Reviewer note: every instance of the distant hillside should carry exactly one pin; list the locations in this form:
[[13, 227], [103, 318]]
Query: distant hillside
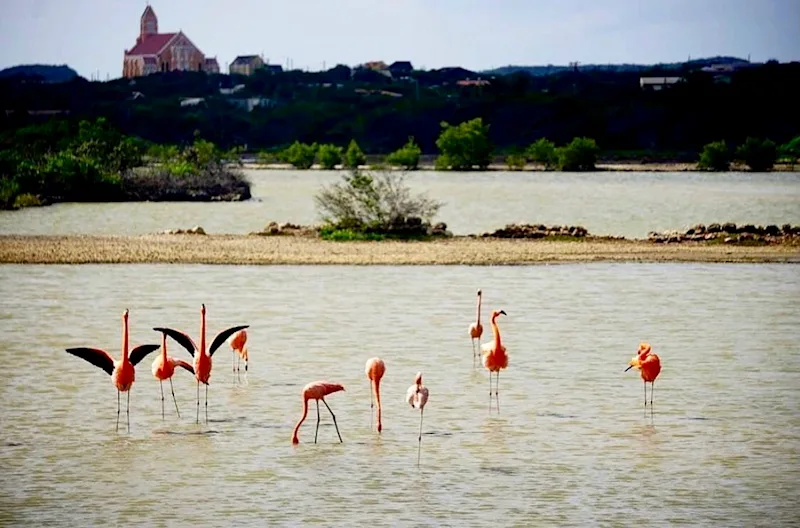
[[539, 71], [41, 72]]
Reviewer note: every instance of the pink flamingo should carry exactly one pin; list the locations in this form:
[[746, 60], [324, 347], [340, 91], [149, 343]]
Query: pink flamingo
[[374, 369], [122, 372], [237, 342], [164, 368], [495, 358], [476, 331], [317, 390], [417, 397], [202, 360]]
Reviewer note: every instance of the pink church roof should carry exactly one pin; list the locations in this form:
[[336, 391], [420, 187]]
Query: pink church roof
[[152, 44]]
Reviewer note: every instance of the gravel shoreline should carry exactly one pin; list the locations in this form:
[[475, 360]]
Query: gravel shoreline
[[282, 250]]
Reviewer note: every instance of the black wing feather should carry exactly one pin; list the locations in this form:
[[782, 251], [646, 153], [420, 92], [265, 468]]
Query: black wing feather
[[223, 336], [182, 338], [140, 352], [96, 356]]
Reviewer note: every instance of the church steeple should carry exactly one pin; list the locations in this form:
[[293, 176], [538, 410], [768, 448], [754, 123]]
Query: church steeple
[[148, 24]]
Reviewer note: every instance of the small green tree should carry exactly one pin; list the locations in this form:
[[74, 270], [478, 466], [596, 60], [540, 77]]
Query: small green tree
[[329, 156], [300, 155], [406, 156], [790, 151], [542, 151], [579, 155], [758, 154], [715, 157], [464, 146], [353, 156], [515, 161]]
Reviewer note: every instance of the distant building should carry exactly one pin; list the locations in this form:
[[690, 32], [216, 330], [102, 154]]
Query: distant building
[[211, 65], [378, 66], [657, 83], [161, 52], [473, 82], [400, 69], [273, 68], [246, 64]]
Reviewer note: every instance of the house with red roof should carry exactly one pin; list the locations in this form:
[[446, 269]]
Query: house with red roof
[[162, 52]]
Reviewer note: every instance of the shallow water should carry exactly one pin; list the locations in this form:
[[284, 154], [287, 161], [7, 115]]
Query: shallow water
[[571, 444], [606, 203]]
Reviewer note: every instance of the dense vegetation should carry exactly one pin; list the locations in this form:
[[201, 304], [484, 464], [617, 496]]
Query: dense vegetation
[[381, 114], [93, 161]]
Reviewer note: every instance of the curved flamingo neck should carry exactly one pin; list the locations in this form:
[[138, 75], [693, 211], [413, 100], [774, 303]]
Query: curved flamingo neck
[[376, 388], [125, 339], [479, 310], [296, 440], [496, 333]]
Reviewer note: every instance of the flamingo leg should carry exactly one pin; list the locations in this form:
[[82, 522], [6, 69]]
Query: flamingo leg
[[161, 384], [371, 406], [239, 367], [645, 393], [197, 419], [173, 398], [419, 440], [473, 352], [652, 389], [497, 391], [245, 372], [128, 410], [206, 402], [316, 431], [490, 391], [334, 420], [117, 410], [233, 366]]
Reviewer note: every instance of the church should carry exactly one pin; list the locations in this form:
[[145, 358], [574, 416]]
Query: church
[[163, 52]]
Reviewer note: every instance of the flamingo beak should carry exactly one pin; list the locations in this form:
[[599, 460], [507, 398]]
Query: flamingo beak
[[629, 367], [503, 312]]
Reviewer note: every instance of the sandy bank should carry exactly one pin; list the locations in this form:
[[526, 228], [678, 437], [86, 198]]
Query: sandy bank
[[243, 249]]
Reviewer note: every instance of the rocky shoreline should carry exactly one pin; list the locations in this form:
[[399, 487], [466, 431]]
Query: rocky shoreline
[[730, 233]]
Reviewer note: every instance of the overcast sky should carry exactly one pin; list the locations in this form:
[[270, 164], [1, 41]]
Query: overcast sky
[[91, 35]]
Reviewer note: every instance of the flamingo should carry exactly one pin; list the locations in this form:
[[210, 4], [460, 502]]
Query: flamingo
[[417, 397], [202, 360], [122, 372], [494, 358], [317, 390], [164, 368], [476, 331], [237, 342], [374, 370], [649, 365]]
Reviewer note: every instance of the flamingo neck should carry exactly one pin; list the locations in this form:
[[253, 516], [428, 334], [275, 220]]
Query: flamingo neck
[[296, 440], [479, 310], [496, 334], [164, 347], [124, 339], [376, 388], [203, 332]]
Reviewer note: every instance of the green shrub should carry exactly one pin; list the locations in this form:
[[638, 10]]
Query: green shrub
[[9, 190], [715, 157], [26, 200], [353, 156], [464, 146], [406, 156], [329, 156], [542, 151], [515, 161], [300, 155], [579, 155], [758, 154]]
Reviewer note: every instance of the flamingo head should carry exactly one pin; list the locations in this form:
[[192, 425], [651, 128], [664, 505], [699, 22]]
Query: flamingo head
[[203, 309], [418, 379], [480, 293], [125, 315], [496, 313], [644, 348]]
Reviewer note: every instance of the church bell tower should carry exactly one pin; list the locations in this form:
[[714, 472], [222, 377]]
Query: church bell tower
[[148, 24]]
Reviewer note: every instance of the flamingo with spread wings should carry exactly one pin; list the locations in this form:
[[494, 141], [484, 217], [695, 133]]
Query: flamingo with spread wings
[[122, 372], [202, 359]]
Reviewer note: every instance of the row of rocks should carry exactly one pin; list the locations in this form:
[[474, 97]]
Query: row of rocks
[[196, 230], [411, 226], [537, 231], [287, 229], [728, 233]]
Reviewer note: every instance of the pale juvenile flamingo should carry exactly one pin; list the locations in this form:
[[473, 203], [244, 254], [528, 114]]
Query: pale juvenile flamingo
[[649, 365], [374, 369], [417, 397], [238, 342], [164, 368], [317, 390], [122, 372], [202, 360], [476, 331], [495, 358]]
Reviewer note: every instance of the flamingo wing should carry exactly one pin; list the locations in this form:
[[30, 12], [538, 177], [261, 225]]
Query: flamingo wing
[[96, 356], [182, 338], [182, 363], [140, 352], [223, 336]]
